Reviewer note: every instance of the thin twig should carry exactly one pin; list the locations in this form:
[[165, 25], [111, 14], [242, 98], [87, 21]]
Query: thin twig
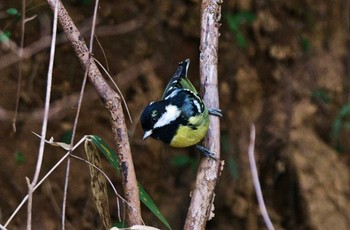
[[116, 86], [109, 181], [65, 191], [200, 210], [46, 113], [40, 182], [53, 169], [45, 41], [256, 180], [78, 113], [19, 83], [113, 104]]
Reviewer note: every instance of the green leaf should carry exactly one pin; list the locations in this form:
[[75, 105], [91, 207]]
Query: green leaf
[[66, 137], [242, 42], [321, 95], [336, 127], [235, 21], [305, 44], [5, 36], [19, 157], [233, 167], [147, 200], [113, 159], [345, 110], [240, 18], [181, 161], [12, 11], [107, 151]]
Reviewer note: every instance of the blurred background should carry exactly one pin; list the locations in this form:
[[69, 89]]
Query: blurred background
[[283, 65]]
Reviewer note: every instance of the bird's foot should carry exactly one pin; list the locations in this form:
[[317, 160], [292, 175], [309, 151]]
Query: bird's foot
[[206, 152], [215, 112]]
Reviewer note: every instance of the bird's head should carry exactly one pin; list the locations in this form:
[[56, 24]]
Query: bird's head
[[158, 115]]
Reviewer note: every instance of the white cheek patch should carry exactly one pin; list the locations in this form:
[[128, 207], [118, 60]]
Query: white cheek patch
[[172, 112]]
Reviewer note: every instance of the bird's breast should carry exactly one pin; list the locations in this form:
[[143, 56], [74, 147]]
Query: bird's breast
[[190, 134]]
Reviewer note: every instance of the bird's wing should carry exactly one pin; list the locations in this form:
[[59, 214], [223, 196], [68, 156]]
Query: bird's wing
[[179, 80]]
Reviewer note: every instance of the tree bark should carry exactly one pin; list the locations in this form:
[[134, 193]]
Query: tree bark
[[201, 207], [113, 104]]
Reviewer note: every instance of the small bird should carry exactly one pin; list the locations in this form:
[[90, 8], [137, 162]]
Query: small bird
[[180, 118]]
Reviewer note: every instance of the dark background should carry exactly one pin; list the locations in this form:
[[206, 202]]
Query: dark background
[[283, 65]]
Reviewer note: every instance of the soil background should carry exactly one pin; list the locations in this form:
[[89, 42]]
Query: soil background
[[283, 65]]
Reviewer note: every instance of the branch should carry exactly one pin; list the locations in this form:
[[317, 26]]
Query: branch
[[113, 104], [256, 181], [200, 209]]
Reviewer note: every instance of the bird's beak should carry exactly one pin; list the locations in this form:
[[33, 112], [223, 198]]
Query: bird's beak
[[147, 134]]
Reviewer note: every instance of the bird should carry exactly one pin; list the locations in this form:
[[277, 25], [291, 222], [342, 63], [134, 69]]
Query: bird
[[180, 119]]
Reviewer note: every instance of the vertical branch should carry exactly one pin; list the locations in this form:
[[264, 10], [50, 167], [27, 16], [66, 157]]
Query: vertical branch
[[200, 209], [23, 28], [113, 104], [45, 119]]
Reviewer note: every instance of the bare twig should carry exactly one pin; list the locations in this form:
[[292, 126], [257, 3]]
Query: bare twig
[[200, 209], [45, 41], [23, 18], [64, 157], [113, 104], [40, 182], [256, 180], [77, 115], [45, 118]]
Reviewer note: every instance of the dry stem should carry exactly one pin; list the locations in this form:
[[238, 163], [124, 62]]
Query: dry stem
[[200, 209], [113, 104]]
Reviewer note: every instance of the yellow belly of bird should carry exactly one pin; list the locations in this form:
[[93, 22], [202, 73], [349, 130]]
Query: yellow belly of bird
[[186, 136]]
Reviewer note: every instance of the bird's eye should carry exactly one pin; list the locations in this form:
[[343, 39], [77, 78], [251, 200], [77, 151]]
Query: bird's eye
[[154, 115]]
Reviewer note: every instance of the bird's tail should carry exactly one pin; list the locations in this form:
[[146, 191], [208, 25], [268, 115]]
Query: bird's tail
[[179, 79]]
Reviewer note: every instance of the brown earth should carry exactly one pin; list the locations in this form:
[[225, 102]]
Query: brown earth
[[291, 79]]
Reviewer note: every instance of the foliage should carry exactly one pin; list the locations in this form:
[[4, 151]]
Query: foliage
[[5, 36], [144, 197], [236, 21], [340, 123], [19, 157], [321, 95]]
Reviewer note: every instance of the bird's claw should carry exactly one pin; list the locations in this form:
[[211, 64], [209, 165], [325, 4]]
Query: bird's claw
[[206, 152], [215, 112]]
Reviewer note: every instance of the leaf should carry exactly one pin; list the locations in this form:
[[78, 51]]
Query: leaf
[[55, 143], [107, 151], [98, 183], [235, 21], [5, 36], [242, 42], [233, 167], [19, 157], [66, 136], [321, 95], [181, 161], [113, 159], [345, 110], [12, 11], [147, 200]]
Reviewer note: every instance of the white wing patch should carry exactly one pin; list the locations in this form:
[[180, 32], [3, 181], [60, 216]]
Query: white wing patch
[[172, 112], [196, 103]]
